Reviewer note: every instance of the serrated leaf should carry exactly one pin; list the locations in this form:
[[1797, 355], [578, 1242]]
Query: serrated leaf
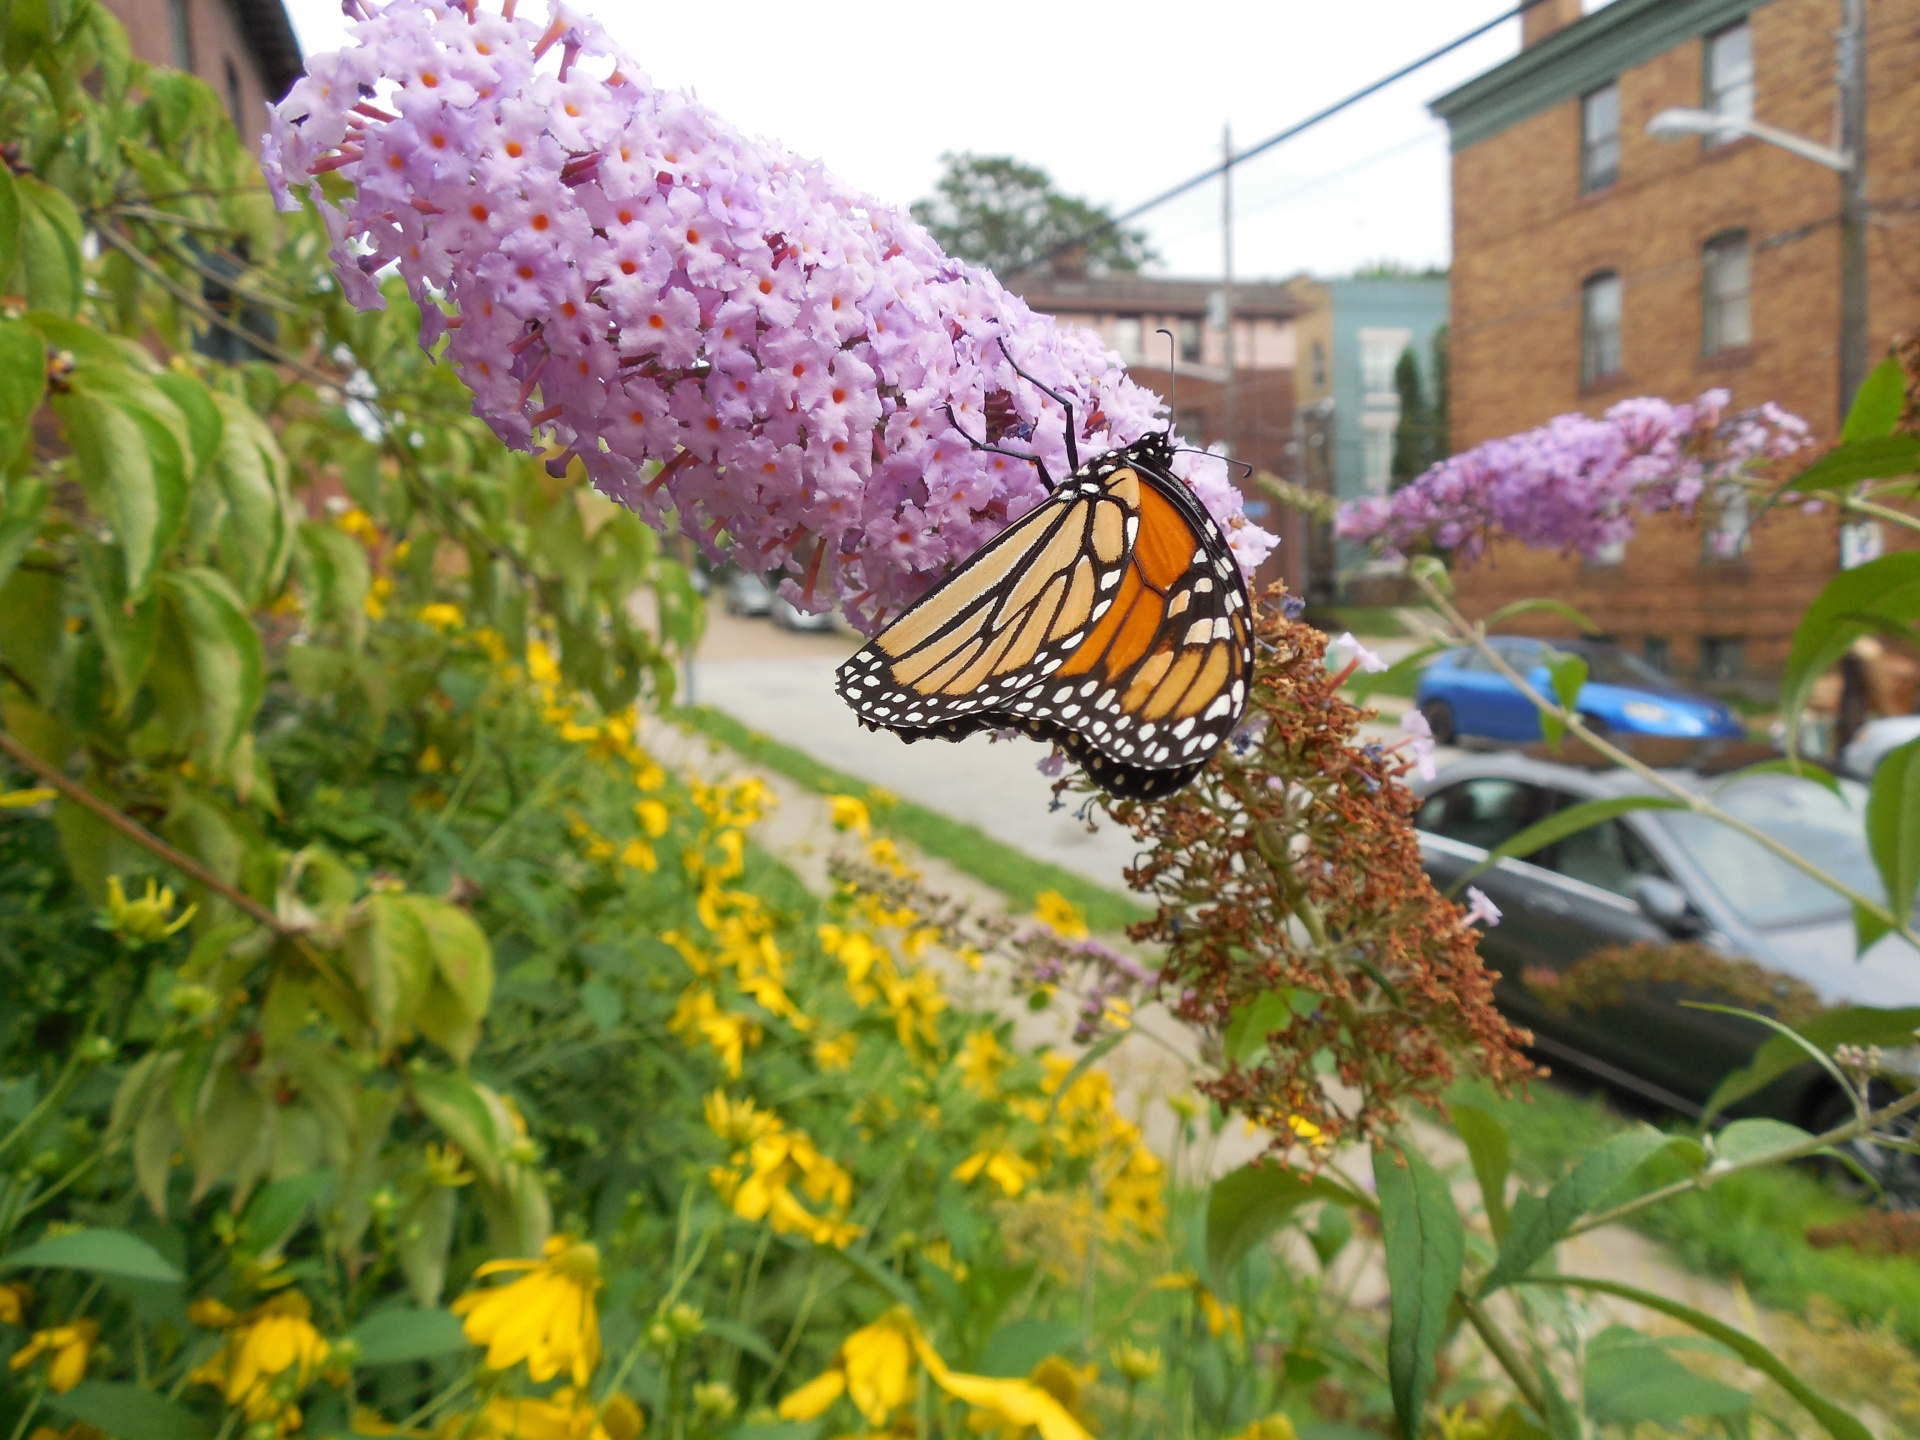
[[229, 666], [1562, 823], [1832, 1418], [96, 1252], [1893, 825], [1854, 1025], [49, 239], [23, 383], [133, 466], [1492, 1155], [461, 988], [391, 959], [127, 1412], [256, 530], [1249, 1204], [1539, 1222], [1425, 1247], [395, 1337], [1877, 404]]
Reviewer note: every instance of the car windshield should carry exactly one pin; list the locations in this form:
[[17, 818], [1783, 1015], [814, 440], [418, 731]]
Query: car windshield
[[1763, 888], [1608, 666]]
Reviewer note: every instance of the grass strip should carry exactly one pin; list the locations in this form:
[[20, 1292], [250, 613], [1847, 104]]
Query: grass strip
[[1018, 876], [1752, 1225]]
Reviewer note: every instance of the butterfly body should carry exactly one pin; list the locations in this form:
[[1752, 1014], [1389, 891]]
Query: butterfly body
[[1112, 619]]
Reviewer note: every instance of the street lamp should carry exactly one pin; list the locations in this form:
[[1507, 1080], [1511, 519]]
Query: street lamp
[[1848, 161]]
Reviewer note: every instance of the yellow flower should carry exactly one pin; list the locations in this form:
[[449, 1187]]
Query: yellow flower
[[446, 1167], [981, 1061], [1004, 1167], [1012, 1404], [835, 1054], [430, 761], [740, 1122], [545, 1318], [653, 816], [274, 1339], [149, 918], [851, 814], [1218, 1318], [1060, 915], [442, 616], [357, 523], [1064, 1380], [699, 1016], [871, 1369], [68, 1345], [639, 856], [210, 1314], [1306, 1130], [1134, 1363], [21, 799], [567, 1414], [14, 1296], [378, 593], [1279, 1427]]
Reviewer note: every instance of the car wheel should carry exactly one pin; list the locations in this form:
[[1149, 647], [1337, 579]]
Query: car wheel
[[1439, 717], [1897, 1172], [1596, 725]]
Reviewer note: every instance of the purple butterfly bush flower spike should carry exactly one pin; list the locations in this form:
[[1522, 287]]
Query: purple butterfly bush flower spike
[[712, 327], [1576, 483]]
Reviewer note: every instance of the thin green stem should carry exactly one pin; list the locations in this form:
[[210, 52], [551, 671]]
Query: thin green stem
[[33, 1405], [1505, 1355], [800, 1317], [1882, 512], [1699, 804]]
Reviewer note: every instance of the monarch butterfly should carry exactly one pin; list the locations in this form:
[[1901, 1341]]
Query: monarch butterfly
[[1112, 619]]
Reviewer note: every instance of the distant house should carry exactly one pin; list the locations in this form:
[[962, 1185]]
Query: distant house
[[245, 49], [1592, 262], [1351, 335], [1128, 309]]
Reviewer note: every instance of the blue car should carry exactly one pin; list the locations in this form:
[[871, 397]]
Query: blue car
[[1463, 696]]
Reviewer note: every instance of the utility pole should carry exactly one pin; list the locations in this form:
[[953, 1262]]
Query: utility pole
[[1226, 283], [1851, 87]]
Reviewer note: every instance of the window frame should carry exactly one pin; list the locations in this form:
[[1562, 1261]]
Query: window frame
[[1714, 297], [1591, 182], [1712, 90], [1590, 372], [1188, 329]]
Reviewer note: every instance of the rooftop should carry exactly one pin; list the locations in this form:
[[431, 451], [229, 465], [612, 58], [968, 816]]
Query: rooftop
[[1127, 293]]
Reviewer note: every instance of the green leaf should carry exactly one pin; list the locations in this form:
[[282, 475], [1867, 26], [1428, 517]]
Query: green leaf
[[1246, 1033], [1562, 823], [256, 532], [203, 420], [426, 1235], [20, 520], [50, 233], [1880, 596], [1755, 1139], [273, 1215], [457, 1108], [394, 1337], [742, 1337], [127, 632], [1433, 570], [334, 570], [97, 1252], [1854, 1025], [1013, 1350], [1832, 1418], [1552, 607], [23, 382], [127, 1412], [873, 1272], [9, 227], [1886, 458], [461, 988], [1539, 1223], [1799, 769], [133, 466], [1249, 1204], [1568, 674], [1893, 825], [1489, 1150], [1633, 1379], [1425, 1247], [228, 663], [1877, 404]]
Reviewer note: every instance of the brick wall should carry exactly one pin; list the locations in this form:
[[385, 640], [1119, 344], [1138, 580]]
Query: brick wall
[[216, 43], [1525, 239]]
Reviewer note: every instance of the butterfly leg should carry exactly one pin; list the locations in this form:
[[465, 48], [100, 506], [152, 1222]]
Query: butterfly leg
[[1033, 460], [1073, 445]]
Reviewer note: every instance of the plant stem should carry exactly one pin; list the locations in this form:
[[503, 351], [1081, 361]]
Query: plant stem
[[1508, 1358], [1697, 803]]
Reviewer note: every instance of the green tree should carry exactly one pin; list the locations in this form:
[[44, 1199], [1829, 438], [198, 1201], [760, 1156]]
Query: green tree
[[1413, 436], [1442, 394], [998, 212]]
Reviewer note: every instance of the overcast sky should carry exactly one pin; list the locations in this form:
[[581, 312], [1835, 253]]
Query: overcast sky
[[1117, 102]]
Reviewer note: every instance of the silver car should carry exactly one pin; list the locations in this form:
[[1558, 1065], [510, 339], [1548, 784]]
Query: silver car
[[1660, 876]]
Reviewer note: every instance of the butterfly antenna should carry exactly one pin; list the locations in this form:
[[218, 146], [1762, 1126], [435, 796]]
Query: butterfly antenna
[[1033, 460], [1173, 376], [1073, 448], [1196, 450]]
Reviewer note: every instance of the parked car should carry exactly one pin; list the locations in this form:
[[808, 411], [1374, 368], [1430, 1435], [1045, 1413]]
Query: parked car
[[1464, 697], [1876, 740], [1662, 876], [747, 594], [789, 616]]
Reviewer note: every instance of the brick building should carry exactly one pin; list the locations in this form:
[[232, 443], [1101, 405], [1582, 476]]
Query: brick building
[[1592, 262], [244, 49], [1126, 310]]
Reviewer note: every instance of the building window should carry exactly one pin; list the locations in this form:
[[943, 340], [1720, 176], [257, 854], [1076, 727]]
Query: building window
[[1730, 522], [1192, 426], [1380, 351], [1376, 452], [1599, 138], [1861, 541], [1319, 364], [1723, 659], [235, 106], [1127, 338], [1190, 338], [182, 34], [1599, 328], [1657, 651], [1614, 552], [1724, 272], [1728, 87]]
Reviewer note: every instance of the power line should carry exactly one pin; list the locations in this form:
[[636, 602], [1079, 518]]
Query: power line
[[1298, 127]]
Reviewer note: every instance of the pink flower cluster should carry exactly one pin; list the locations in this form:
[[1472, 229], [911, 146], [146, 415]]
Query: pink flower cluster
[[715, 328], [1576, 483]]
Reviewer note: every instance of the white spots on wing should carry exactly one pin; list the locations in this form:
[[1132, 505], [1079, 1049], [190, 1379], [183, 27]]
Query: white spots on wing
[[1198, 633], [1183, 729], [1107, 582], [1203, 586], [1222, 705]]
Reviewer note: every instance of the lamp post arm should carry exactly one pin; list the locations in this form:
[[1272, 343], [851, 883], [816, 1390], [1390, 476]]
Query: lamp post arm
[[1838, 161]]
